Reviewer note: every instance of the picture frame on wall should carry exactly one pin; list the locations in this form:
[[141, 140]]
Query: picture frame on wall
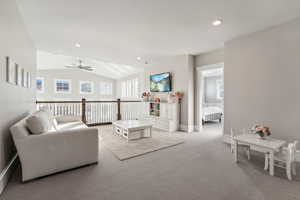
[[10, 71], [28, 79], [18, 78], [23, 77]]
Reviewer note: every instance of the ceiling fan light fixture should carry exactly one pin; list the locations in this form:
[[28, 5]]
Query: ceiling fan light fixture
[[217, 22]]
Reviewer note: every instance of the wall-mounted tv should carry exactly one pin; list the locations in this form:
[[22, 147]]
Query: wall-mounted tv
[[161, 82]]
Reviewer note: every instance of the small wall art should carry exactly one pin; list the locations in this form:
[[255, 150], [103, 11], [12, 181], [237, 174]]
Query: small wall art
[[10, 71], [18, 77], [28, 79], [23, 77]]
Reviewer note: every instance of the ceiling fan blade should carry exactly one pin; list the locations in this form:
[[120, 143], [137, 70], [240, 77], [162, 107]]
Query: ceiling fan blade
[[73, 67], [86, 66], [88, 69]]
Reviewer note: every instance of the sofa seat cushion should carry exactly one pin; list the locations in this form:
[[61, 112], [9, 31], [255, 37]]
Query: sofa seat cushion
[[71, 125]]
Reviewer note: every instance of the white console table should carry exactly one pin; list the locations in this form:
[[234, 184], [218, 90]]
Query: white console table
[[166, 118]]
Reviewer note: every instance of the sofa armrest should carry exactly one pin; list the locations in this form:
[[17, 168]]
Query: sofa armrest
[[57, 151], [68, 118]]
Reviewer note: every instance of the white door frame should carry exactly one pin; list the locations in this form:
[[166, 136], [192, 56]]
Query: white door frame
[[200, 86]]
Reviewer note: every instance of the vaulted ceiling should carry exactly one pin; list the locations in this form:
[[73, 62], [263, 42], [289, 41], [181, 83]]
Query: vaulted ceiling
[[46, 60], [119, 31]]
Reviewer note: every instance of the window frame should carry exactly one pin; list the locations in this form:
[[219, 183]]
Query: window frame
[[105, 91], [43, 84], [130, 88], [84, 82], [219, 83], [63, 92]]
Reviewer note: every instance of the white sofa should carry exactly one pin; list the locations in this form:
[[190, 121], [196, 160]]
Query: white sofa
[[71, 144]]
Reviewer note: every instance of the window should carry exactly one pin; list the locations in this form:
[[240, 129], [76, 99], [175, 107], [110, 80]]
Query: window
[[40, 84], [86, 87], [220, 89], [130, 88], [106, 88], [62, 86]]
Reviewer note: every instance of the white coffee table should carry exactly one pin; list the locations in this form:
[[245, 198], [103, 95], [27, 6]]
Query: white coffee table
[[133, 129]]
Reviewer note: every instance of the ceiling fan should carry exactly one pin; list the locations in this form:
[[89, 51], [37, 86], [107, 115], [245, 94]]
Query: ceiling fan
[[80, 66]]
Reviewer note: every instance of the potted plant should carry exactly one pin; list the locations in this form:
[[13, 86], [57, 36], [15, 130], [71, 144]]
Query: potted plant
[[145, 96], [174, 97], [179, 95]]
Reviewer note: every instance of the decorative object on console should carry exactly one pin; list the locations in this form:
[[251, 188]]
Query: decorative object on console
[[157, 99], [146, 96], [262, 131], [175, 97], [172, 98], [179, 95]]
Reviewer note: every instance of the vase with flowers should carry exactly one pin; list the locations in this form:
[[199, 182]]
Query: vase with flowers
[[174, 97], [179, 95], [261, 131], [146, 96]]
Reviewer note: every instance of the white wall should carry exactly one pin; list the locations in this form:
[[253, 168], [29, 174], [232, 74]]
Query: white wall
[[262, 81], [15, 102], [75, 76], [178, 66], [212, 57]]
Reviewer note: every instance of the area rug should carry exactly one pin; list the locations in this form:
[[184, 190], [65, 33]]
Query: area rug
[[124, 150]]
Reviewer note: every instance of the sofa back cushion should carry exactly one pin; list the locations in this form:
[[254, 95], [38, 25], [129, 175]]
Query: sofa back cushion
[[50, 116], [39, 122]]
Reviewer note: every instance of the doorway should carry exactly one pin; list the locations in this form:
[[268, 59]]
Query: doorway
[[211, 96]]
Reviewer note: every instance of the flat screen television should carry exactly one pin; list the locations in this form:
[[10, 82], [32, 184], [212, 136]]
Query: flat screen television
[[161, 82]]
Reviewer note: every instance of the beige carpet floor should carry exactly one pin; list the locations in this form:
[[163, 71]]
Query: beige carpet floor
[[124, 149], [202, 168]]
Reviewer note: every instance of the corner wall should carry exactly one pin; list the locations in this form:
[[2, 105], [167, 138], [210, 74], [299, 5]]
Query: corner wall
[[15, 101], [262, 81]]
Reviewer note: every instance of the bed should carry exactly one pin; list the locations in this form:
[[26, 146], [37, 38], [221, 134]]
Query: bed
[[212, 113]]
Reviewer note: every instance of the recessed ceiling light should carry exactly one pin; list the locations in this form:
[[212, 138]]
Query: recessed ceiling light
[[138, 58], [217, 22], [77, 45]]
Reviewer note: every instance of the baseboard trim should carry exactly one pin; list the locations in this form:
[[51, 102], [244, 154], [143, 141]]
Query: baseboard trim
[[187, 128], [226, 139], [6, 173], [183, 127]]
